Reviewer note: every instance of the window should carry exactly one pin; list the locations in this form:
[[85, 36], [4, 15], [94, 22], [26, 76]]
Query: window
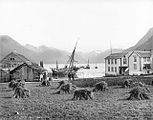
[[115, 69], [12, 59], [135, 66], [148, 59], [124, 60], [135, 58], [115, 61], [108, 69], [146, 66], [112, 69], [108, 61], [111, 61], [144, 59]]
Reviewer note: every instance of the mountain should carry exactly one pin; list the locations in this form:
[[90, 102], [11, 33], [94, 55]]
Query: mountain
[[7, 45], [145, 43], [97, 56], [49, 55], [30, 47]]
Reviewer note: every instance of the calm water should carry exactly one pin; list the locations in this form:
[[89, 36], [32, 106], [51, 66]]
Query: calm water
[[84, 73]]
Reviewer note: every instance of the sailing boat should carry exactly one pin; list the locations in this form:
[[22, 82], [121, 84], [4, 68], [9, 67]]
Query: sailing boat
[[69, 66], [96, 67], [87, 67]]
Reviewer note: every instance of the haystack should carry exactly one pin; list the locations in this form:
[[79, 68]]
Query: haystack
[[138, 93], [21, 92], [136, 84], [60, 84], [82, 93], [19, 89], [127, 83], [102, 86], [66, 88], [13, 84]]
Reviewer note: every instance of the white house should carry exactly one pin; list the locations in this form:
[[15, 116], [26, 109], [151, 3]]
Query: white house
[[139, 62], [116, 64]]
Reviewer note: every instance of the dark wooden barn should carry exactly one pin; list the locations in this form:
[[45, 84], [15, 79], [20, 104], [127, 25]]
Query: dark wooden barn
[[4, 76], [27, 72]]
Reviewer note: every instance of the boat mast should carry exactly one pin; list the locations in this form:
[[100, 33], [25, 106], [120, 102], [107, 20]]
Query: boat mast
[[88, 62], [56, 64], [71, 59]]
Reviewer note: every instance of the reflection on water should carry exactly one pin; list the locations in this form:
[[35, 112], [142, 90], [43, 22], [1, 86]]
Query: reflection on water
[[84, 73]]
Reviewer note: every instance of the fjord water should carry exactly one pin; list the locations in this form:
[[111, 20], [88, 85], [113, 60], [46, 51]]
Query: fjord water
[[84, 73]]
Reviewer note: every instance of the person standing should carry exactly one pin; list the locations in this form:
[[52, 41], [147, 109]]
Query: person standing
[[41, 77]]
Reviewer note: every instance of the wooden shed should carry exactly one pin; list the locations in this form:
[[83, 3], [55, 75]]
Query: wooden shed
[[4, 76], [27, 72]]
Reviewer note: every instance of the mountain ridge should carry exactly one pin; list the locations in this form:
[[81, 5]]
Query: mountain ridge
[[142, 41], [48, 54]]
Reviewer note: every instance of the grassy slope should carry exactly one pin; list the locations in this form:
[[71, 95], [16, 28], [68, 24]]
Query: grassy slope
[[43, 104]]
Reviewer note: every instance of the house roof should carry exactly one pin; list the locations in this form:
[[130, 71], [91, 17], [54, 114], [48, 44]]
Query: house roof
[[116, 55], [142, 53], [23, 58]]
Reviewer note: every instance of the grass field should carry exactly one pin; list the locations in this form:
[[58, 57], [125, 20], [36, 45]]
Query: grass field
[[44, 105]]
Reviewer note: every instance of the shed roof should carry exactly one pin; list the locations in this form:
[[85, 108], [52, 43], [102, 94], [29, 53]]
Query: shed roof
[[32, 66]]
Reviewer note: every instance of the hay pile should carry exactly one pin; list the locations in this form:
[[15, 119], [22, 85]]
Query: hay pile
[[60, 83], [13, 84], [137, 84], [138, 93], [102, 86], [127, 83], [66, 88], [82, 94], [19, 89]]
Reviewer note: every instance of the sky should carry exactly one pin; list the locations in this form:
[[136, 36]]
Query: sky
[[95, 24]]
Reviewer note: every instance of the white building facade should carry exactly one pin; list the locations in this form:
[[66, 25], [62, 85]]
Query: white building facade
[[116, 64], [139, 63], [131, 63]]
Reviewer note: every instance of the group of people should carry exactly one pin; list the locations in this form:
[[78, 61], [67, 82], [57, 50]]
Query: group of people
[[44, 76], [71, 75]]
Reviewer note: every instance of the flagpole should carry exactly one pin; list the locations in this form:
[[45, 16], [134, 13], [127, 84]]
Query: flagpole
[[110, 47]]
